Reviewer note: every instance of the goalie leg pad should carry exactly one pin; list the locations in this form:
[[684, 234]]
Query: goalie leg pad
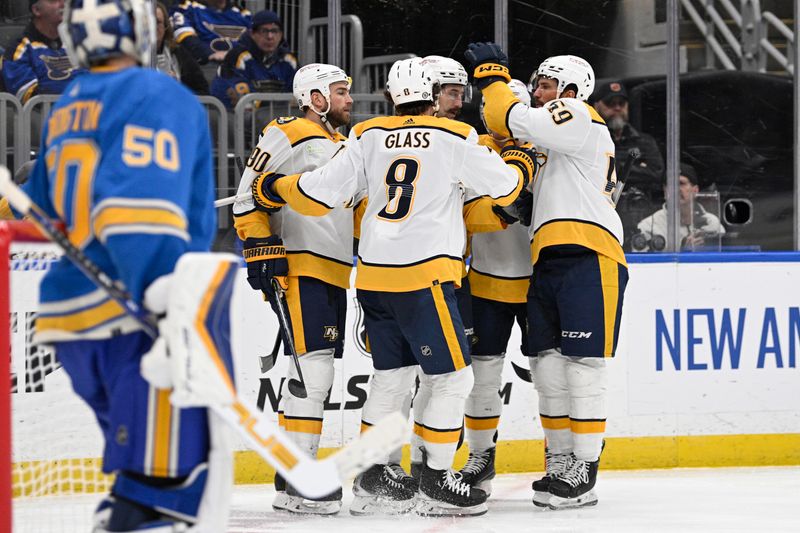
[[484, 404], [551, 383], [197, 329], [388, 392], [587, 382], [179, 501], [212, 516], [444, 415]]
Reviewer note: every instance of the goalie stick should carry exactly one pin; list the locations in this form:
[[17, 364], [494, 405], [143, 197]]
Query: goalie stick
[[312, 478]]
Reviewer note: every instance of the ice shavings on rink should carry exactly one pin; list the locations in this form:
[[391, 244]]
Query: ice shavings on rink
[[708, 499]]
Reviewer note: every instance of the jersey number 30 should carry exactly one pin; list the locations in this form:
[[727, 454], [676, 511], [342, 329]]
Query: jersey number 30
[[400, 189]]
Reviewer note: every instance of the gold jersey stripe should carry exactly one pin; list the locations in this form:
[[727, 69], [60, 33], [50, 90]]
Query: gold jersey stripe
[[609, 281], [448, 328], [507, 290], [322, 268], [408, 278], [577, 232]]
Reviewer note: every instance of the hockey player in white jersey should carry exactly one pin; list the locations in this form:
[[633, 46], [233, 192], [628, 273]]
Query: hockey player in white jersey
[[412, 167], [579, 269], [315, 269], [499, 273]]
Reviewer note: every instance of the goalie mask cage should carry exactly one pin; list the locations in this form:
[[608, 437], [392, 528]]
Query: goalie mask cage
[[50, 445]]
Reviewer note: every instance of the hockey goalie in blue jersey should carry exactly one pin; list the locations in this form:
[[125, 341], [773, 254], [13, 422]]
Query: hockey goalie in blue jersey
[[127, 167]]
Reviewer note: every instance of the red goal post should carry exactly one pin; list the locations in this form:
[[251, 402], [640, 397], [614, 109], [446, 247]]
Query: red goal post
[[10, 231]]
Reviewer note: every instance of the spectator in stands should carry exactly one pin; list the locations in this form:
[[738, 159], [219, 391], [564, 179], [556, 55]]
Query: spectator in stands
[[697, 225], [260, 62], [36, 63], [174, 60], [208, 30], [611, 100]]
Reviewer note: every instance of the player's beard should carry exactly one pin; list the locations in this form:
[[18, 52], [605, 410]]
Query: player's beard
[[339, 117]]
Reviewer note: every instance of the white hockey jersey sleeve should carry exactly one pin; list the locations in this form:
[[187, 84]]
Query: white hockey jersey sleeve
[[272, 151], [562, 125], [484, 172], [337, 182]]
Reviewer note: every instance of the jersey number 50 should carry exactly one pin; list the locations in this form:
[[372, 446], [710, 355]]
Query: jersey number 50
[[400, 189]]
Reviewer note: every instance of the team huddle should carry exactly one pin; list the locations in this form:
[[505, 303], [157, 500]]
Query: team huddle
[[528, 206]]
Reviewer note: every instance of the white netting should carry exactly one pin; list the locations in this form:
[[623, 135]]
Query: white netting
[[56, 443]]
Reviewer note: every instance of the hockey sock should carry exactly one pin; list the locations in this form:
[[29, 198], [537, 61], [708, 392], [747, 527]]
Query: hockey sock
[[388, 391], [443, 416], [303, 416], [551, 384], [420, 403], [484, 404], [586, 379]]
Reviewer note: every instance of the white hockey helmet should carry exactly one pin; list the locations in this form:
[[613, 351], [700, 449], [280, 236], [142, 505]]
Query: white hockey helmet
[[95, 30], [567, 70], [410, 81], [446, 70], [519, 89], [317, 77]]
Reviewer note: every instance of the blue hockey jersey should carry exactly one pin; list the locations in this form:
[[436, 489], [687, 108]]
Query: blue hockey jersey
[[203, 30], [247, 69], [127, 166], [36, 64]]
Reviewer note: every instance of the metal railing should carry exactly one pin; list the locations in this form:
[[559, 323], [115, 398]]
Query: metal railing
[[352, 43], [10, 131], [768, 19], [375, 70], [743, 41]]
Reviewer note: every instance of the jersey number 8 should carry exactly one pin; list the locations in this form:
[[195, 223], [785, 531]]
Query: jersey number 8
[[400, 190]]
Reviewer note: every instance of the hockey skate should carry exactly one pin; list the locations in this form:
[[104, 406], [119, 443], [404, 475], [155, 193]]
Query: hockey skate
[[479, 470], [574, 488], [293, 502], [281, 501], [444, 493], [383, 490], [555, 465], [409, 481]]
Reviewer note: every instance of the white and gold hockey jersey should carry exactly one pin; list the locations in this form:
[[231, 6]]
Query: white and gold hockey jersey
[[320, 248], [572, 193], [500, 268], [414, 169]]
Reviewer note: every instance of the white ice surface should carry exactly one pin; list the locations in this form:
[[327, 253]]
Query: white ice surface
[[765, 499]]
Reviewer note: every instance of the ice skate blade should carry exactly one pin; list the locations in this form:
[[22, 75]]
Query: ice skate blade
[[485, 486], [373, 505], [558, 503], [542, 499], [298, 505], [427, 507]]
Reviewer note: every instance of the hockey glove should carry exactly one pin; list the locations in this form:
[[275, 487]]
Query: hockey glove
[[489, 63], [507, 214], [522, 158], [263, 196], [523, 207], [266, 259]]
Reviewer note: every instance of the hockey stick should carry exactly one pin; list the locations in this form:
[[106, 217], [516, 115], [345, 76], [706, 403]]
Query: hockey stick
[[633, 156], [268, 361], [296, 386], [310, 477], [222, 202]]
